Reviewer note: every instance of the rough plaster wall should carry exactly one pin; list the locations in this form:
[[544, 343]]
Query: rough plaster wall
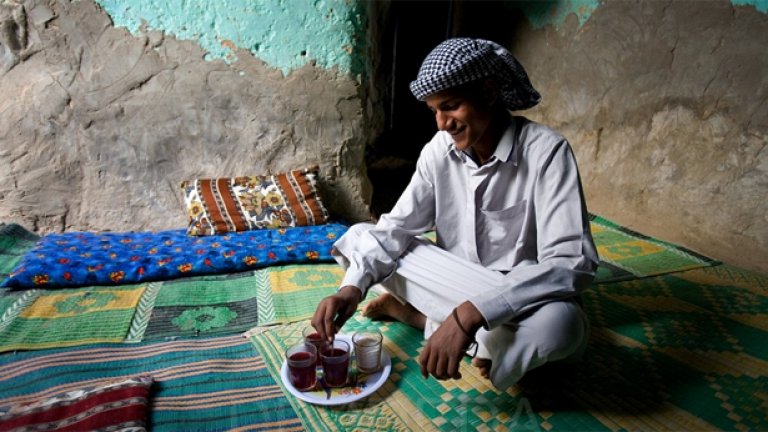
[[665, 104], [99, 126]]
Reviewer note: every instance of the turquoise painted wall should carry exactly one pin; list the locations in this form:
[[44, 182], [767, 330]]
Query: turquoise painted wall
[[760, 5], [541, 13], [286, 34]]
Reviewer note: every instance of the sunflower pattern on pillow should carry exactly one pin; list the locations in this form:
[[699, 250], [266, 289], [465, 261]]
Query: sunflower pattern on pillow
[[244, 203]]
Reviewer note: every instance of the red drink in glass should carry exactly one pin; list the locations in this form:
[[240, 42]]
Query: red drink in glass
[[313, 337], [335, 359], [302, 370]]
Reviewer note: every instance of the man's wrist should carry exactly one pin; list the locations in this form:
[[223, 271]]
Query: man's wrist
[[470, 316], [352, 292]]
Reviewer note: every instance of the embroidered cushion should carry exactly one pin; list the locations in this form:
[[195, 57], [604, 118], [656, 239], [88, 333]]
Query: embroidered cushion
[[108, 405], [221, 205]]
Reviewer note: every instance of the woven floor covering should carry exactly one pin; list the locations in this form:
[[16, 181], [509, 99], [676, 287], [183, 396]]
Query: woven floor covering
[[187, 307], [683, 351], [205, 384], [679, 342], [229, 303]]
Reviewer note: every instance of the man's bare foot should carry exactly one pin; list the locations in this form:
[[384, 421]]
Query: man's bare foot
[[387, 306], [483, 365]]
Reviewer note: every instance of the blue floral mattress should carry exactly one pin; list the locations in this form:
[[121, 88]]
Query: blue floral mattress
[[75, 259]]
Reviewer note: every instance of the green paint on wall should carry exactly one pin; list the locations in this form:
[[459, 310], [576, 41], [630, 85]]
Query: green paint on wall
[[760, 5], [541, 13], [286, 34]]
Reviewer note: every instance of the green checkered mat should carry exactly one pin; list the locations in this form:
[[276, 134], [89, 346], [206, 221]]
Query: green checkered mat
[[684, 351]]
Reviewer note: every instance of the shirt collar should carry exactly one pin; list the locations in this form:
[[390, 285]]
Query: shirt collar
[[505, 150]]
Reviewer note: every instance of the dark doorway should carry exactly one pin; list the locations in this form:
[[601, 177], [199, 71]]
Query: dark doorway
[[413, 29]]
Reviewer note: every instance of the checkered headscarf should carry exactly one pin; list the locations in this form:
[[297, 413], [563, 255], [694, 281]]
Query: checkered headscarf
[[462, 60]]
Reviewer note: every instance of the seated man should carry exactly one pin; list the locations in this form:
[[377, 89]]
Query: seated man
[[513, 246]]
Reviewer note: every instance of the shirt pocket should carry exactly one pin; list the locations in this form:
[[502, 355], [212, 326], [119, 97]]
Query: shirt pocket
[[500, 230]]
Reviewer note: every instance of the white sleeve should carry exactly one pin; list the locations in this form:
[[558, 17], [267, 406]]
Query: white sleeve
[[372, 255]]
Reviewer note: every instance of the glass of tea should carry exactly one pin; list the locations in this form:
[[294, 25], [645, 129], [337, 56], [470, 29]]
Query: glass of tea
[[311, 336], [367, 344], [302, 362], [334, 357]]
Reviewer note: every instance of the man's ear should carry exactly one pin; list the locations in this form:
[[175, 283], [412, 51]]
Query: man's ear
[[491, 91]]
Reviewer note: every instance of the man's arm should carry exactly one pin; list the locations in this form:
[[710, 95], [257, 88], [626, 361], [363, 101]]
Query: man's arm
[[372, 255]]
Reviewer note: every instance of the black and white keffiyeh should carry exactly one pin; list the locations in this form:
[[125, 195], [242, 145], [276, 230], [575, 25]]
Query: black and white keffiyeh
[[462, 60]]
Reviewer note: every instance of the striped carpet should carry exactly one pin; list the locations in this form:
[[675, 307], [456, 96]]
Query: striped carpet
[[203, 384]]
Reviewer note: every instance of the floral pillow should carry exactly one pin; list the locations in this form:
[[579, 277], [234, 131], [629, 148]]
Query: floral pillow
[[222, 205], [108, 405]]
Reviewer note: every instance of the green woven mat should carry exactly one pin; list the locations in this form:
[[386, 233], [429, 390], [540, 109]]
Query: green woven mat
[[15, 241], [190, 307], [233, 303], [626, 254], [685, 351], [45, 319]]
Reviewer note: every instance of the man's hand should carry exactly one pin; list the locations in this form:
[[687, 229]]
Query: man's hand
[[442, 354], [333, 311]]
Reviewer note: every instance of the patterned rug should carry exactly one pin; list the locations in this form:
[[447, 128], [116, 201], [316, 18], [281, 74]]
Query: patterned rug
[[204, 384], [234, 302], [187, 307], [46, 319], [683, 351], [626, 254]]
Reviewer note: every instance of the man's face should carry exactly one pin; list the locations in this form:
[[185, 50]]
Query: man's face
[[466, 117]]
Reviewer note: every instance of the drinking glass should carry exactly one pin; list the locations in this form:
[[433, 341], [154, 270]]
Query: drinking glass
[[313, 337], [334, 357], [302, 361], [367, 344]]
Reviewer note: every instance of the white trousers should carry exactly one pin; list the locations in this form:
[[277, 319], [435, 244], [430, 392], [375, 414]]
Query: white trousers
[[434, 281]]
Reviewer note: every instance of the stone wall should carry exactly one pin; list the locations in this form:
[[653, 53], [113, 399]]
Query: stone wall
[[665, 103], [103, 116], [104, 111]]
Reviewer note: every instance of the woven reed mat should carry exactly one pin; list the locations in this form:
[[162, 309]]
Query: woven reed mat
[[205, 384], [685, 351]]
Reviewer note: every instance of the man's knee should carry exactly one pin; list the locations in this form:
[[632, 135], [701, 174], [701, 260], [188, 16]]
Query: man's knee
[[560, 329]]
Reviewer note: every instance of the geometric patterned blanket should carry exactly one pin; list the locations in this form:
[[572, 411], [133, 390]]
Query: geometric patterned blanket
[[683, 351], [626, 254], [178, 308]]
